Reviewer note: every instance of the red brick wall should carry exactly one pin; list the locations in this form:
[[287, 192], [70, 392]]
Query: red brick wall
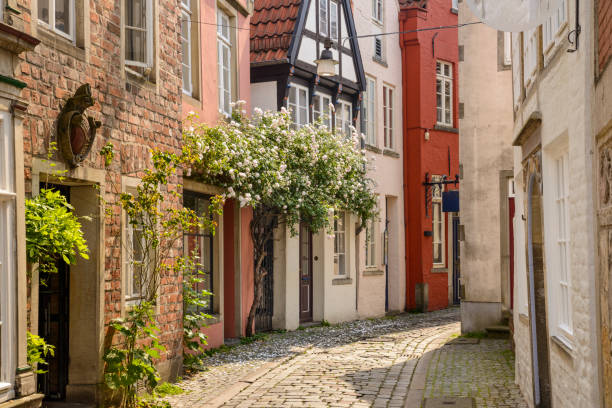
[[604, 30], [135, 116]]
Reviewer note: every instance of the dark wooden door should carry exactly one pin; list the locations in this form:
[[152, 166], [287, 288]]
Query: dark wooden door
[[53, 308], [511, 249], [265, 309], [305, 274]]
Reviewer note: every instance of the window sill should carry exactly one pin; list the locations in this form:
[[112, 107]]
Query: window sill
[[372, 148], [563, 344], [377, 22], [454, 11], [523, 318], [373, 272], [342, 281], [138, 79], [213, 319], [61, 43], [391, 153], [446, 128], [191, 100], [380, 61], [439, 269]]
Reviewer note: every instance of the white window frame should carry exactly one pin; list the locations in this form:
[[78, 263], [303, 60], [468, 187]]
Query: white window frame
[[388, 116], [530, 54], [131, 295], [507, 48], [443, 79], [455, 5], [334, 11], [324, 17], [324, 102], [341, 116], [8, 301], [51, 24], [149, 29], [340, 237], [369, 112], [438, 219], [553, 26], [561, 286], [297, 108], [186, 19], [370, 244], [224, 42], [378, 11]]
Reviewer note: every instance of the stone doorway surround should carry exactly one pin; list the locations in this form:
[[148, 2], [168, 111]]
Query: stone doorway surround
[[86, 335]]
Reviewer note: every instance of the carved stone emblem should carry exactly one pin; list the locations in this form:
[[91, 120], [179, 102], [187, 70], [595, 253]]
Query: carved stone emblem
[[76, 131]]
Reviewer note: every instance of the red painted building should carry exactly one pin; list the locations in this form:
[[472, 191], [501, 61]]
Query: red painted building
[[431, 148]]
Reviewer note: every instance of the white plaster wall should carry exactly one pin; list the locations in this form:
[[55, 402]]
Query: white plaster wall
[[485, 150], [264, 95], [286, 313], [563, 95], [386, 171]]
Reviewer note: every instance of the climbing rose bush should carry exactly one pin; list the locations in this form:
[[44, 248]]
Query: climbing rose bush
[[287, 175]]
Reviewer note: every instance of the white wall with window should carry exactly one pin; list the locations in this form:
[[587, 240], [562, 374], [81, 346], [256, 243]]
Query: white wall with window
[[297, 103], [377, 11], [8, 301], [344, 117], [557, 224], [444, 93], [438, 223], [368, 111], [58, 16], [340, 261], [224, 58], [388, 117], [328, 18], [320, 108], [139, 34]]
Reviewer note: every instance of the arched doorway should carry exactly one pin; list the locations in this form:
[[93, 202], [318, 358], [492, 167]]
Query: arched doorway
[[537, 295]]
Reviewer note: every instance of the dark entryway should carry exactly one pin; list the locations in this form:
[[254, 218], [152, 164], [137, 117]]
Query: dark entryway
[[265, 309], [53, 323], [305, 274], [537, 297], [456, 261]]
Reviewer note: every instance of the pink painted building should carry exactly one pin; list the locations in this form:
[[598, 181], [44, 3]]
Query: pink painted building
[[215, 37]]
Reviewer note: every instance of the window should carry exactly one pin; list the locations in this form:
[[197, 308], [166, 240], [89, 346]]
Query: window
[[455, 5], [444, 93], [517, 85], [377, 10], [58, 16], [224, 52], [344, 118], [7, 258], [200, 243], [135, 261], [139, 37], [370, 248], [438, 223], [298, 104], [388, 117], [369, 112], [378, 48], [323, 20], [187, 46], [562, 286], [507, 49], [340, 244], [321, 109], [530, 54], [328, 18], [554, 24]]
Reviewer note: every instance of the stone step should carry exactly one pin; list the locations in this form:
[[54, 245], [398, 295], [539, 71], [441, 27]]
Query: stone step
[[498, 331], [61, 404]]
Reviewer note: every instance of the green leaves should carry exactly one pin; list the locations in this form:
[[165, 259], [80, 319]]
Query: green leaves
[[53, 232], [37, 350]]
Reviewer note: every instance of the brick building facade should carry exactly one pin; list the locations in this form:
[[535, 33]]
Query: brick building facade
[[431, 148]]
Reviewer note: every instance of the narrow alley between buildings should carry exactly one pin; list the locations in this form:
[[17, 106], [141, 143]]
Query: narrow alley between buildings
[[391, 362]]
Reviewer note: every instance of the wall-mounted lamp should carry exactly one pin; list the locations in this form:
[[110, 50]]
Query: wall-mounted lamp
[[426, 134], [326, 65]]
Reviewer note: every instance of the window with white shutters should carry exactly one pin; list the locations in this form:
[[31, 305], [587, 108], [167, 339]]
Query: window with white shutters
[[530, 55], [444, 93], [7, 258], [58, 16], [553, 25], [369, 112], [224, 55]]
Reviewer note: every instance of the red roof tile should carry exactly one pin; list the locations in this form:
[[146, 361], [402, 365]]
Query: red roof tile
[[272, 26]]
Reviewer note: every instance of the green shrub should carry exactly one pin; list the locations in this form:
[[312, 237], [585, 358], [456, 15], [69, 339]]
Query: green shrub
[[37, 350]]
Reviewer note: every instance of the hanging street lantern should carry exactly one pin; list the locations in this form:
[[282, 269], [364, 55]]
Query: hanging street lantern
[[326, 65]]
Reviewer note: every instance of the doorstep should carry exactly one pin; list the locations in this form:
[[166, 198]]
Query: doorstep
[[31, 401]]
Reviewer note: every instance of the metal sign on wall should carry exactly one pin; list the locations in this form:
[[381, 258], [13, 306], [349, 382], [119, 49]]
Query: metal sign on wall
[[450, 201]]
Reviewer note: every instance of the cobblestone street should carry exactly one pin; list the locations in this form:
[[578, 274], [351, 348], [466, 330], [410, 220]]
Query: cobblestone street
[[389, 362]]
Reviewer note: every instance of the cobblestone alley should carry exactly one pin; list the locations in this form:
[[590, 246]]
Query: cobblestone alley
[[389, 362]]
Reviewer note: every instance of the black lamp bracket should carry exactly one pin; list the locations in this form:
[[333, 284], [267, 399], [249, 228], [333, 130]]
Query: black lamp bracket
[[428, 183]]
